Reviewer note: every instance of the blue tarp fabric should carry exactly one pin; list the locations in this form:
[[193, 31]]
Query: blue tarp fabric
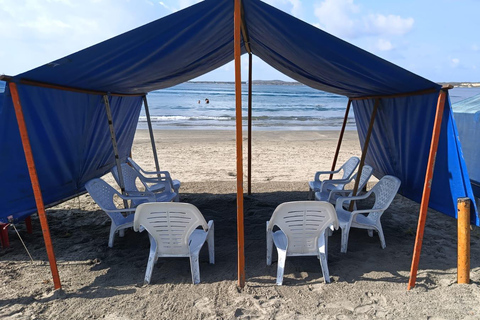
[[400, 147], [69, 132], [467, 117], [70, 141]]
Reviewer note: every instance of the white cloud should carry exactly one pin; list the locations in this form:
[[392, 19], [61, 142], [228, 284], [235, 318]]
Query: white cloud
[[344, 19], [475, 47], [455, 62], [294, 7], [384, 45], [387, 25]]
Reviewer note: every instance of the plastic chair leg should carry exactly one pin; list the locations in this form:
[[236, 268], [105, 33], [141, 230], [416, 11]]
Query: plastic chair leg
[[111, 237], [121, 233], [152, 259], [211, 243], [322, 255], [381, 236], [269, 247], [345, 233], [195, 268], [282, 256], [370, 233]]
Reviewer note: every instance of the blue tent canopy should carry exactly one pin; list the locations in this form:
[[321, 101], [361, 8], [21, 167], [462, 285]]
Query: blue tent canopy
[[69, 132], [467, 117]]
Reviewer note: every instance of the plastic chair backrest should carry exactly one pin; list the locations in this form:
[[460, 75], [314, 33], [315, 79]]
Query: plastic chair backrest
[[349, 167], [130, 176], [365, 176], [134, 164], [302, 222], [102, 193], [385, 191], [170, 224]]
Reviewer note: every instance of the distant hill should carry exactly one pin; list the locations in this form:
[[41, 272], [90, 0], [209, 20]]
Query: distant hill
[[295, 83], [462, 84]]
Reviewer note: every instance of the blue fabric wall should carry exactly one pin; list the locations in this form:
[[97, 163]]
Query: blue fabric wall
[[70, 141], [400, 145]]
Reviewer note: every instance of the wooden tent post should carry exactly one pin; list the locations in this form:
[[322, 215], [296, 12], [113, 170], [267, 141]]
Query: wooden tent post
[[35, 185], [114, 144], [340, 138], [463, 246], [249, 123], [238, 122], [150, 130], [364, 151], [427, 187]]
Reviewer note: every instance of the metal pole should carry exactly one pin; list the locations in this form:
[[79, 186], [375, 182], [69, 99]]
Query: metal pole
[[249, 123], [340, 138], [238, 121], [364, 151], [114, 144], [150, 130], [27, 149], [427, 187]]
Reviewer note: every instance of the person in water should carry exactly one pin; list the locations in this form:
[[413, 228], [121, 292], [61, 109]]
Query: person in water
[[207, 101]]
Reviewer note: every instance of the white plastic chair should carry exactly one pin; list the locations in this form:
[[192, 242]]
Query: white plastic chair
[[331, 193], [151, 180], [348, 168], [384, 192], [131, 177], [103, 194], [172, 228], [303, 232]]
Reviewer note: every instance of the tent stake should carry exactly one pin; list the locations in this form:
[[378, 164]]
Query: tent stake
[[364, 151], [463, 256], [422, 217], [150, 130], [35, 185], [249, 123], [238, 125], [340, 138], [114, 144]]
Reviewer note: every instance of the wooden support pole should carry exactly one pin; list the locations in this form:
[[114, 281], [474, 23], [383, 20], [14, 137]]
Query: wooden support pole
[[249, 124], [115, 149], [340, 138], [35, 185], [238, 122], [150, 130], [364, 151], [427, 187], [463, 258]]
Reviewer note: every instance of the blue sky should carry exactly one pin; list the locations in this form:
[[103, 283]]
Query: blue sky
[[439, 40]]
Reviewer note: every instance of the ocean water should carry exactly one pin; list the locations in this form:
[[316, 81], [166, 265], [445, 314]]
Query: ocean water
[[275, 107]]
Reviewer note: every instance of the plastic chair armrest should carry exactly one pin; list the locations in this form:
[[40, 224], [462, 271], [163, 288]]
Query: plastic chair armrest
[[341, 200], [319, 173]]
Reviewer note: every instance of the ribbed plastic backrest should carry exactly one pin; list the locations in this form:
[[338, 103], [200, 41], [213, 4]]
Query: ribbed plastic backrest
[[170, 224], [385, 190], [102, 193], [302, 222], [349, 167]]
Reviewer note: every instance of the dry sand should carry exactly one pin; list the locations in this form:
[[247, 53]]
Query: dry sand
[[367, 282]]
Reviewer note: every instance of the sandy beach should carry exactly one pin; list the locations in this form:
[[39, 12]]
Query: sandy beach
[[367, 282]]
